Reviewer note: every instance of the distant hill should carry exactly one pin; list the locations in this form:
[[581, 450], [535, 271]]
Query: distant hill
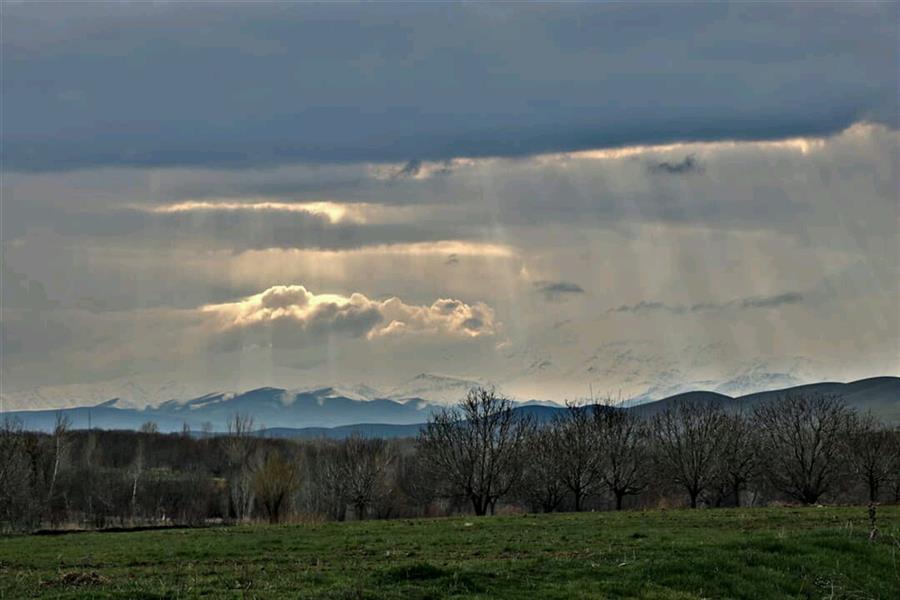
[[268, 406], [878, 395], [326, 413], [368, 430], [649, 409], [540, 413]]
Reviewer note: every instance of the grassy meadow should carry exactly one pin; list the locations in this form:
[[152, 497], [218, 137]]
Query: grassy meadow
[[722, 553]]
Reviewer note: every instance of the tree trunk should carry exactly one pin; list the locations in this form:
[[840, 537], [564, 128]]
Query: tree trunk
[[55, 473], [810, 497], [619, 497], [479, 505], [693, 494]]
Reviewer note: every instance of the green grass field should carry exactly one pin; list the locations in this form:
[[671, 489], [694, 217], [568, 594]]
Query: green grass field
[[728, 553]]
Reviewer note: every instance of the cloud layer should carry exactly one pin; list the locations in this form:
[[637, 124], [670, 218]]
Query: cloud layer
[[738, 304], [274, 84], [639, 194], [775, 250]]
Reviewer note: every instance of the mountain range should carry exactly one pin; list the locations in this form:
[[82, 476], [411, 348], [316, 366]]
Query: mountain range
[[633, 372], [335, 412]]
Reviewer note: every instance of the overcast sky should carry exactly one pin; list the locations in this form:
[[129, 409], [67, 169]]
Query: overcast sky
[[553, 198]]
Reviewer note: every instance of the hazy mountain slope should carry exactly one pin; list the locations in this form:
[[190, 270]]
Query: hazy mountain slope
[[650, 409], [319, 412], [880, 395]]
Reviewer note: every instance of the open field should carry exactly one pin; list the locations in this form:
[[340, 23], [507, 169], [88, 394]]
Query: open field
[[723, 553]]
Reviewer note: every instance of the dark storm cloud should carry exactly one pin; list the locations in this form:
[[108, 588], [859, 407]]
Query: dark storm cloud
[[767, 301], [688, 165], [261, 84], [410, 169], [645, 306], [556, 290], [741, 303]]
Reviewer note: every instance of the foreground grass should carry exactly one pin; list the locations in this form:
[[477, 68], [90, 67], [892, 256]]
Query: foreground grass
[[734, 553]]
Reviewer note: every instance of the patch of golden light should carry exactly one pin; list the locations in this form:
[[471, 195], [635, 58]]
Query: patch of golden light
[[335, 212], [459, 248], [801, 145], [441, 248], [318, 299]]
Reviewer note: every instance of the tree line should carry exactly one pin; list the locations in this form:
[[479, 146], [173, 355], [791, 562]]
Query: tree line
[[478, 457]]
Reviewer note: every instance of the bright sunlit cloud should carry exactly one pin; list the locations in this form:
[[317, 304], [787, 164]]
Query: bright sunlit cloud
[[290, 315]]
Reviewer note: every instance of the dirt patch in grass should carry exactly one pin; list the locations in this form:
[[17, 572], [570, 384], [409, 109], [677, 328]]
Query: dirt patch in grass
[[82, 578]]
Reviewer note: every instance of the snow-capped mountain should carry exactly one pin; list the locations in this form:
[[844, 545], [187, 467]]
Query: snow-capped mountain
[[268, 407], [128, 393]]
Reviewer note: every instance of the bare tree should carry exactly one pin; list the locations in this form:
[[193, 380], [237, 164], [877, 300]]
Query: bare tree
[[15, 476], [688, 438], [893, 482], [137, 468], [804, 438], [418, 483], [362, 466], [240, 447], [578, 452], [478, 447], [273, 485], [873, 453], [542, 486], [60, 444], [623, 451], [739, 456], [89, 473], [331, 488]]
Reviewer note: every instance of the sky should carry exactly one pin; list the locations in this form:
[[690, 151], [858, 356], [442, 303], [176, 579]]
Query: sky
[[610, 199]]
